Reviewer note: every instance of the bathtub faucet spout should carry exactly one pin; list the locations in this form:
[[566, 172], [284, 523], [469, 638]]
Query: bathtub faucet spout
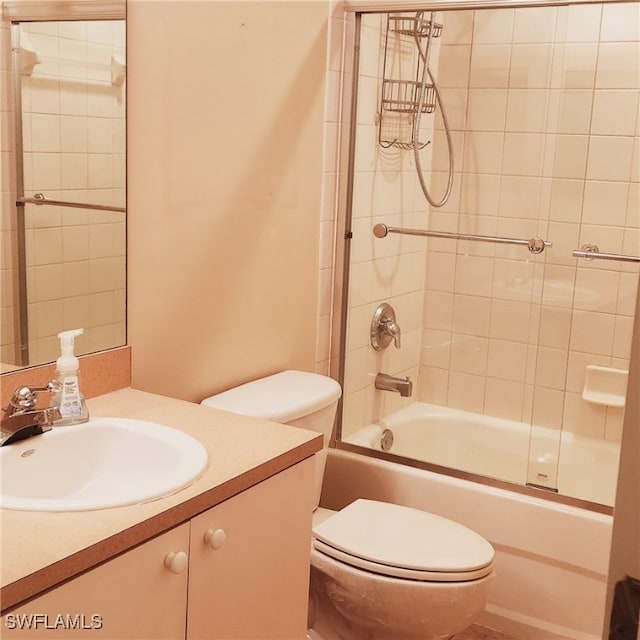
[[403, 386]]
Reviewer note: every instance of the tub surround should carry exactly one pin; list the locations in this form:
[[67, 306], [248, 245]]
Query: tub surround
[[41, 550]]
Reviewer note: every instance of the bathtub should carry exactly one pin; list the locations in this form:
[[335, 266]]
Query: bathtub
[[551, 558], [500, 449]]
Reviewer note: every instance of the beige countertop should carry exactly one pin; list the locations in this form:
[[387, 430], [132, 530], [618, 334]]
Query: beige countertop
[[40, 550]]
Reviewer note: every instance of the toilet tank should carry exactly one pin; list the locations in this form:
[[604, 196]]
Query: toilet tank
[[297, 398]]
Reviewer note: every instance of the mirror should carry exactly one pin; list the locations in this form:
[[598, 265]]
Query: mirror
[[64, 222]]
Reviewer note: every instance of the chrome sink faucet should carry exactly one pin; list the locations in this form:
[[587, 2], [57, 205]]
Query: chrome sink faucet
[[22, 419], [403, 386]]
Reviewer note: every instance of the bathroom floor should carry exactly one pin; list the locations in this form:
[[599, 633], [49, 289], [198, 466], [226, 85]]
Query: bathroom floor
[[476, 632]]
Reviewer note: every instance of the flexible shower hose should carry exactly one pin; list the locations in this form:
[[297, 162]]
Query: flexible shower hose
[[427, 75]]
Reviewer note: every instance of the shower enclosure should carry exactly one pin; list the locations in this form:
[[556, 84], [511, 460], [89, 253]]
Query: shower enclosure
[[514, 278]]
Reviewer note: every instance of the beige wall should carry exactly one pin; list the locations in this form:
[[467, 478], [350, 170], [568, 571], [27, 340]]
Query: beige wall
[[225, 122]]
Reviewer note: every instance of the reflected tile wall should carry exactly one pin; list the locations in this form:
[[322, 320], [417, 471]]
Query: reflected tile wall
[[74, 149]]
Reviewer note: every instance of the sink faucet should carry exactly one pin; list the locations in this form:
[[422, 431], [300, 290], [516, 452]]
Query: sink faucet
[[403, 386], [22, 419]]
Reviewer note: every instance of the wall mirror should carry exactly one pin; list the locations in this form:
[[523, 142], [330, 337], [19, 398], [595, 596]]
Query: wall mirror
[[65, 264]]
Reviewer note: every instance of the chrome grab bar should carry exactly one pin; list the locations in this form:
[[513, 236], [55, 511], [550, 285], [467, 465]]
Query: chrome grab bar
[[591, 252], [535, 245], [40, 199]]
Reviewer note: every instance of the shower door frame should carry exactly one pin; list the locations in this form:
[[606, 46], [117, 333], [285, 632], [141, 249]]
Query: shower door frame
[[344, 219]]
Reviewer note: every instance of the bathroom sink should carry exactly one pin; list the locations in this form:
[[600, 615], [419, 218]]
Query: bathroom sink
[[106, 462]]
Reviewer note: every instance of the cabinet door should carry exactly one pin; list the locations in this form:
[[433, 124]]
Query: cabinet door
[[249, 569], [131, 597]]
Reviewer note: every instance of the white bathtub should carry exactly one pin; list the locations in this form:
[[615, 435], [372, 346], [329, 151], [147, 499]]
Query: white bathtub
[[551, 559], [499, 448]]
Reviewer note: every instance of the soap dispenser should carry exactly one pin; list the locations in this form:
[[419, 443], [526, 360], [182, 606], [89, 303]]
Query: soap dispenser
[[69, 400]]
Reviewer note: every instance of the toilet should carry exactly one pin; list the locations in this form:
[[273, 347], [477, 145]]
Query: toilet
[[379, 571]]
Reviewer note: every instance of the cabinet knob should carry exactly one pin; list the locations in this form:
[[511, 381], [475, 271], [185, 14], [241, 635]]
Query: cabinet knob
[[215, 538], [176, 562]]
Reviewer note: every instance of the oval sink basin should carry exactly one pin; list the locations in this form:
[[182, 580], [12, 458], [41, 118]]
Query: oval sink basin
[[106, 462]]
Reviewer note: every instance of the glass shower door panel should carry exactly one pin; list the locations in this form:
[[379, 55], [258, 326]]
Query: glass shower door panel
[[588, 306]]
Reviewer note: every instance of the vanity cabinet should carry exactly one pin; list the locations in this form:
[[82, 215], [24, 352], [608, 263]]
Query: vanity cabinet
[[249, 569], [131, 597], [238, 570]]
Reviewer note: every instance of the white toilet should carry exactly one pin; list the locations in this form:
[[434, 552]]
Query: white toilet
[[379, 571]]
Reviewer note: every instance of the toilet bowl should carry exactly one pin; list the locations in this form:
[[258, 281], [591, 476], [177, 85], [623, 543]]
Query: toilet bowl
[[379, 571]]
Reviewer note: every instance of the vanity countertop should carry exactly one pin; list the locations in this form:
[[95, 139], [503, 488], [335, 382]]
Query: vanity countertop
[[39, 550]]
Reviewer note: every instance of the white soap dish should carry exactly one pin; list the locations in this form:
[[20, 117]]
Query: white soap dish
[[605, 385]]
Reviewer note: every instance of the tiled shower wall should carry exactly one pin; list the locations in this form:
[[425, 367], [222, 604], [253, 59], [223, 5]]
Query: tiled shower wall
[[74, 150], [392, 269], [543, 105]]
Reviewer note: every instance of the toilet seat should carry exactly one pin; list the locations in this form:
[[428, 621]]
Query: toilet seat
[[402, 542]]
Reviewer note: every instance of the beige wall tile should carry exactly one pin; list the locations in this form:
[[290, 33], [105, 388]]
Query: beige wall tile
[[534, 25], [570, 111], [620, 22], [579, 23], [574, 65], [504, 399], [507, 360], [493, 26], [487, 109], [615, 112], [618, 65], [605, 196], [453, 71], [531, 65], [490, 66], [592, 332], [547, 407], [609, 158]]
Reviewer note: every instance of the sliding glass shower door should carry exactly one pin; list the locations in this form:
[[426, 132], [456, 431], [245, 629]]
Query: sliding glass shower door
[[516, 347]]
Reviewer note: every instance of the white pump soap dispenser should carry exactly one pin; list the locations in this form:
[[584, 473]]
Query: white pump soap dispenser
[[69, 399]]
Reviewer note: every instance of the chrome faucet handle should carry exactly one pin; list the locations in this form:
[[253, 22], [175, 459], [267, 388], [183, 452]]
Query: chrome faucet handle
[[25, 424], [24, 398], [391, 328], [384, 328]]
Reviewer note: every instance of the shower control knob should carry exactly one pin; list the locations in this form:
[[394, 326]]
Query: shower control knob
[[384, 328], [215, 538], [176, 562]]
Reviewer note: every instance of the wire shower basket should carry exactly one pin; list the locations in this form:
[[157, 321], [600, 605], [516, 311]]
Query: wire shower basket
[[403, 96], [402, 99], [416, 26]]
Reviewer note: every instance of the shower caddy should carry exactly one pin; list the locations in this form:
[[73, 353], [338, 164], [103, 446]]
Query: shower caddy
[[402, 96]]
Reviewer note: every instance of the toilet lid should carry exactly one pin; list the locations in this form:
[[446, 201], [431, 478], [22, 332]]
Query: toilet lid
[[399, 541]]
